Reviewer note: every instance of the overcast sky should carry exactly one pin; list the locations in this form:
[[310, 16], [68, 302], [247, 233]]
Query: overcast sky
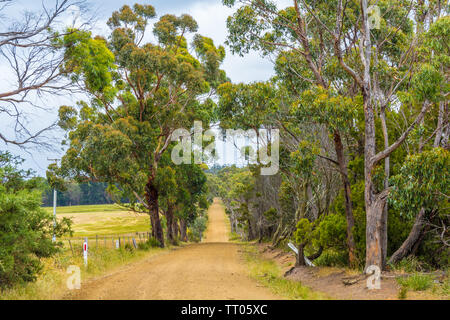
[[211, 17]]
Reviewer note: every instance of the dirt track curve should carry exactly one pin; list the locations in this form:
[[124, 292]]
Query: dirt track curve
[[208, 270]]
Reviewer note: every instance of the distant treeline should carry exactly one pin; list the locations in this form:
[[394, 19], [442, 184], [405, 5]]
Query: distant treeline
[[78, 194]]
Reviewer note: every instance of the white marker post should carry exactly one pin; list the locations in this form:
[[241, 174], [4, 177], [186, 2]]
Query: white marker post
[[54, 215], [85, 251], [294, 248], [54, 204]]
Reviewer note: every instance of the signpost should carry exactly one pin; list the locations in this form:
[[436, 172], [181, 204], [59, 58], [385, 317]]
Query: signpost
[[294, 248], [85, 251]]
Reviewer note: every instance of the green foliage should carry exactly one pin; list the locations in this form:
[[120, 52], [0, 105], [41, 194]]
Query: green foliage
[[318, 101], [25, 229], [150, 243], [139, 94], [409, 264], [416, 282], [197, 228], [331, 232], [246, 106], [423, 181], [332, 258], [271, 215], [89, 60], [402, 293], [304, 232], [269, 274], [319, 105]]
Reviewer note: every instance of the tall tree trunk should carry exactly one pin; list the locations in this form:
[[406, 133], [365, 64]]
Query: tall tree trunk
[[250, 229], [300, 261], [412, 239], [151, 195], [374, 202], [313, 206], [183, 230], [175, 228], [348, 199], [169, 218], [441, 124], [384, 218], [277, 232]]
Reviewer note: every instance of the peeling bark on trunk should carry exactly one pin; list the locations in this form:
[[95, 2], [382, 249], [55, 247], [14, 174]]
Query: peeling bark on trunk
[[374, 238], [374, 203]]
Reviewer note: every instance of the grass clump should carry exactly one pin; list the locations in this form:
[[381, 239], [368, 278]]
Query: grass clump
[[149, 244], [416, 282], [269, 274], [409, 265], [402, 293]]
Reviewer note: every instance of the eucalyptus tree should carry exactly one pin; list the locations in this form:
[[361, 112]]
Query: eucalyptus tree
[[303, 61], [140, 93], [353, 49]]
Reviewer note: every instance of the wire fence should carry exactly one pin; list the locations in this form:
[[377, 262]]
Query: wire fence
[[111, 241]]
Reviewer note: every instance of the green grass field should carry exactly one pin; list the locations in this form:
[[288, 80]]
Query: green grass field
[[91, 220]]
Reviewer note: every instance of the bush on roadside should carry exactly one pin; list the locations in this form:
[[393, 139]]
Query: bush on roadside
[[197, 227], [25, 229], [150, 243]]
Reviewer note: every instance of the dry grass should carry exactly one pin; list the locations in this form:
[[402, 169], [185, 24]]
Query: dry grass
[[51, 282]]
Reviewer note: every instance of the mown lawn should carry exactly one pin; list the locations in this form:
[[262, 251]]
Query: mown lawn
[[86, 208], [91, 220]]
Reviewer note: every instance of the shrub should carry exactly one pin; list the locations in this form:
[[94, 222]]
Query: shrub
[[332, 258], [197, 227], [409, 265], [150, 243], [25, 229]]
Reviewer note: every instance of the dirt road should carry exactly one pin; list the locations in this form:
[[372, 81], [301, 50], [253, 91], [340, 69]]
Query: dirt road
[[208, 270]]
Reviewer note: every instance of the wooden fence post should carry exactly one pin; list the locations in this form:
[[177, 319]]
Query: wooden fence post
[[71, 249]]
